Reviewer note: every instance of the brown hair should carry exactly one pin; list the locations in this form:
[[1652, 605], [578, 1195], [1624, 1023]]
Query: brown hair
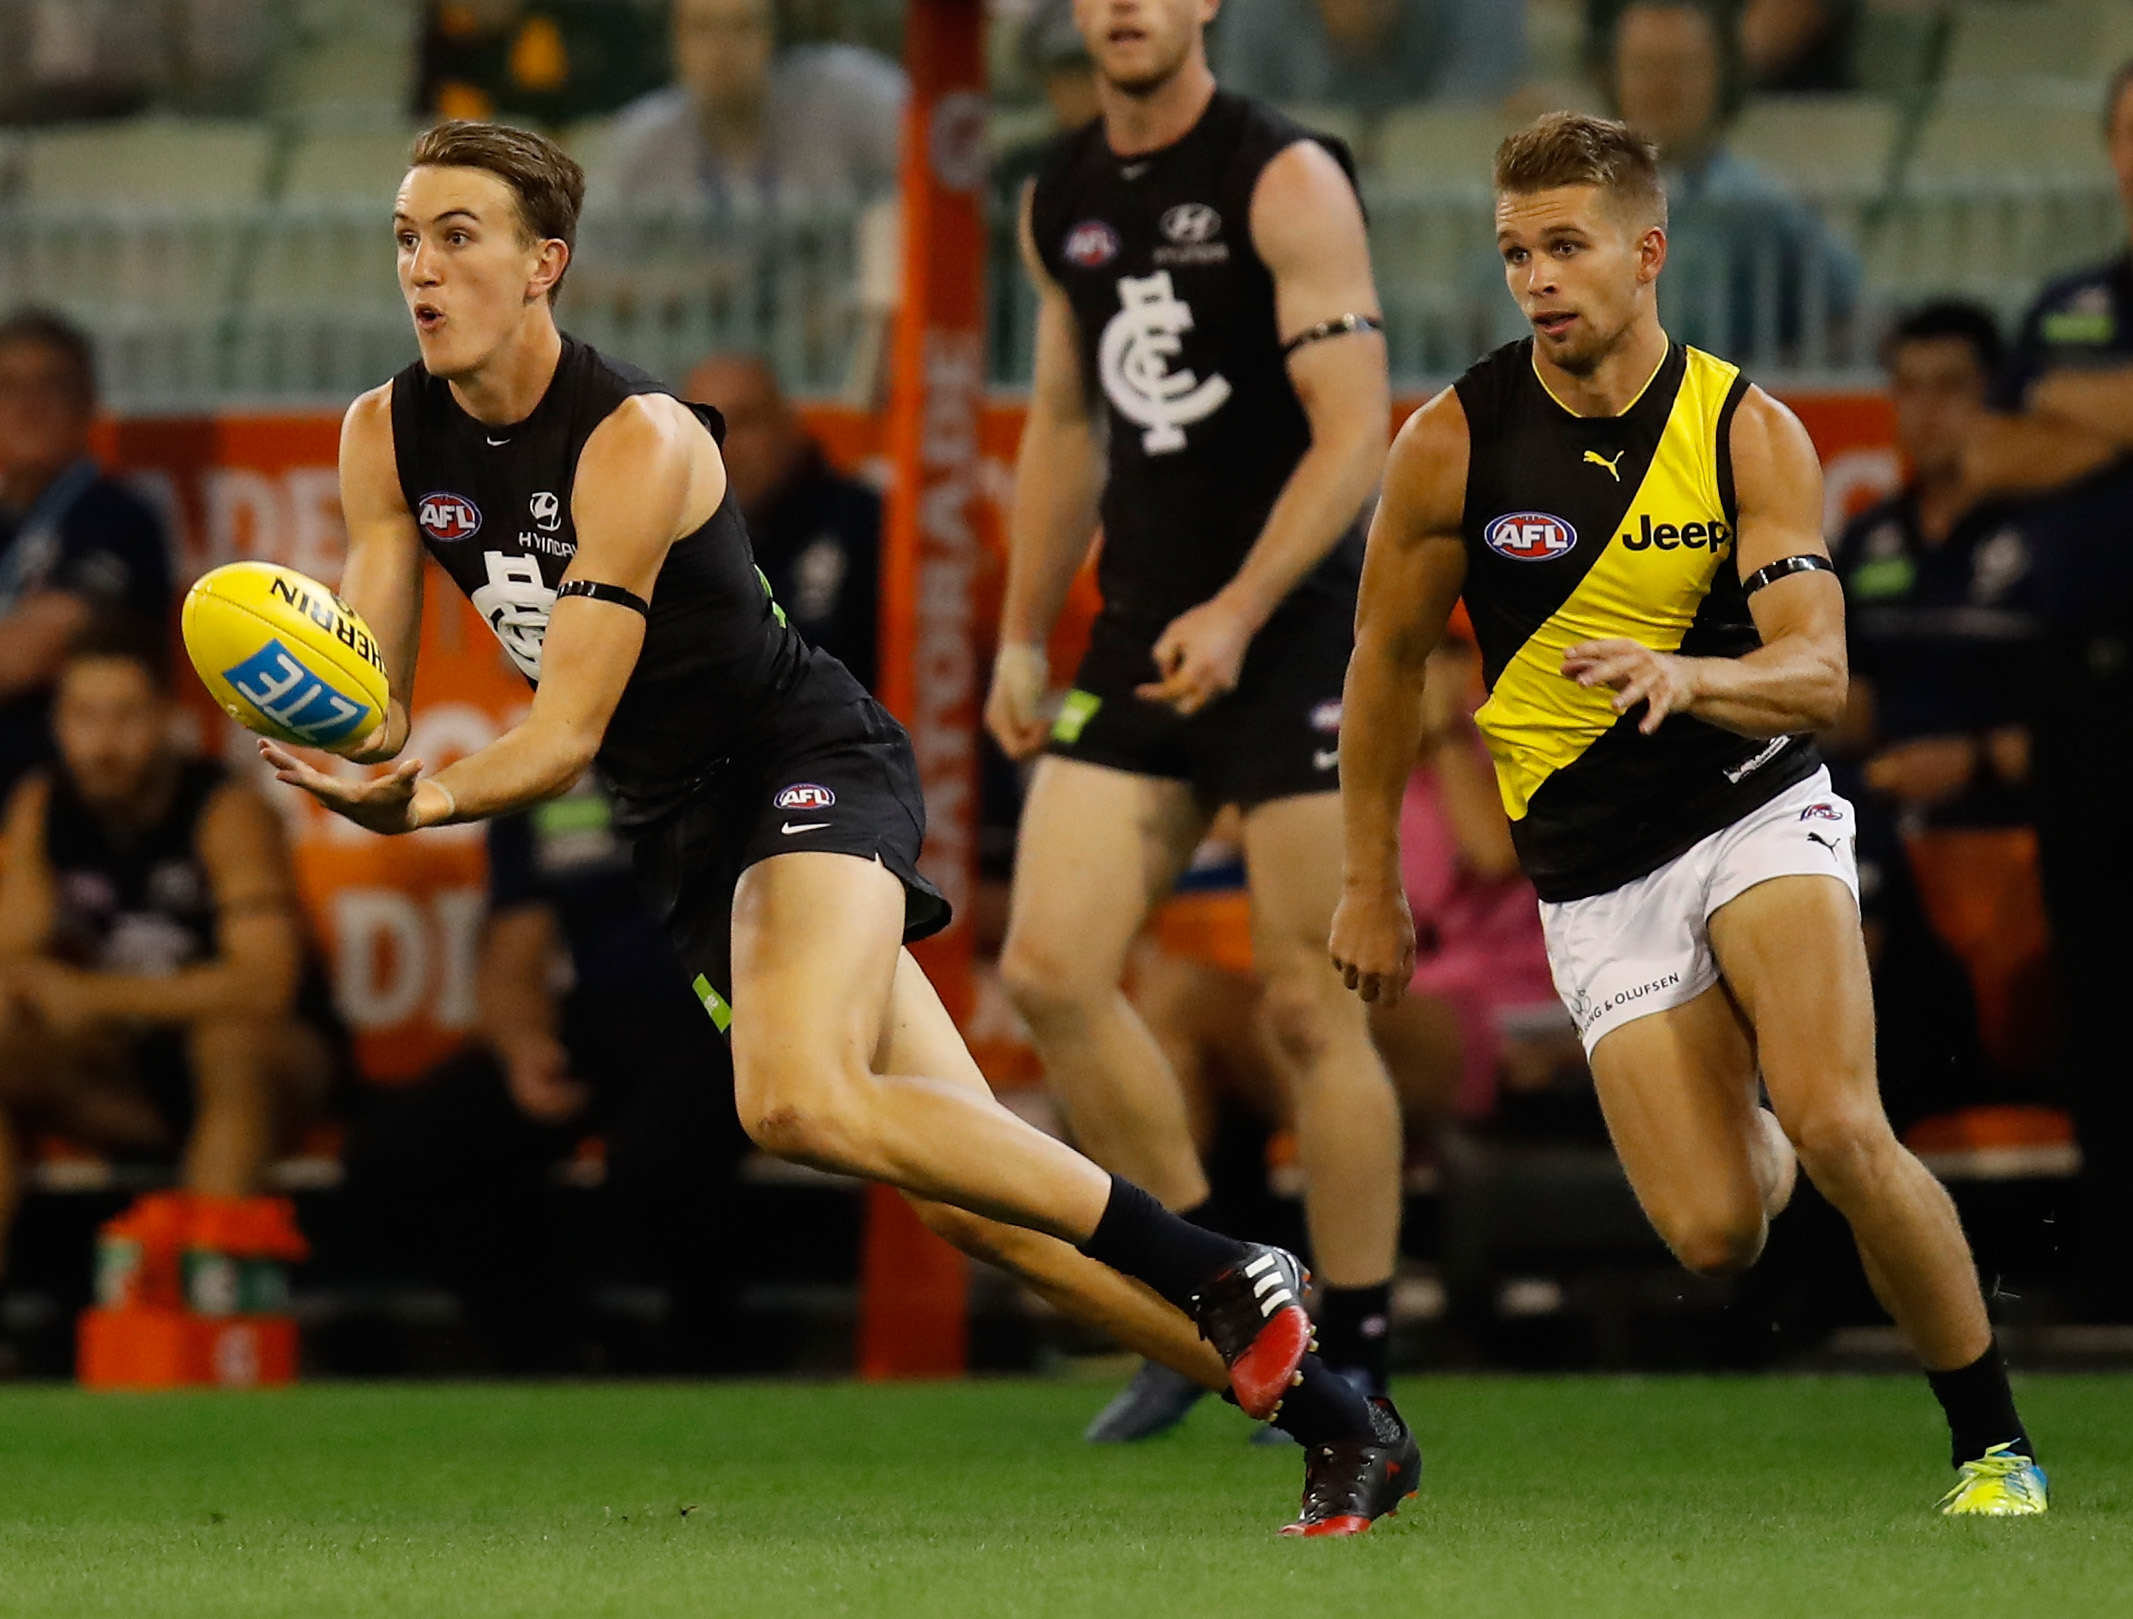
[[1577, 149], [546, 180]]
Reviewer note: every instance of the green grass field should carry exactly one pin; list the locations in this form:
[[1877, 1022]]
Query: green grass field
[[1570, 1499]]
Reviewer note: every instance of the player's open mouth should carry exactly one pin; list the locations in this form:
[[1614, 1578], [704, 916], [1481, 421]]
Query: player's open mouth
[[1125, 35], [428, 317], [1555, 322]]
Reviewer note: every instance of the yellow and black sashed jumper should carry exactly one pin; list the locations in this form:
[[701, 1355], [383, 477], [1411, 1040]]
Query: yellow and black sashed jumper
[[1582, 528]]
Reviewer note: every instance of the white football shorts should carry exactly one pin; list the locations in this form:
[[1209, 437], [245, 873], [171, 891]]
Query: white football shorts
[[1646, 946]]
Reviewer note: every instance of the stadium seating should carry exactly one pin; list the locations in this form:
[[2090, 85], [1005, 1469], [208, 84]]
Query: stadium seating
[[1822, 143], [148, 163]]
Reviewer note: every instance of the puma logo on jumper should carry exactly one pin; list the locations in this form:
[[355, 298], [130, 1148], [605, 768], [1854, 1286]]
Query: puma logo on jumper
[[1599, 460]]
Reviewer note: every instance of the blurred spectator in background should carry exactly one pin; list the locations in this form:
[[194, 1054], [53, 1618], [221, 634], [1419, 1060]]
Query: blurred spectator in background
[[1750, 269], [1481, 968], [1057, 59], [66, 59], [746, 119], [817, 533], [1785, 45], [1941, 640], [552, 61], [585, 1025], [74, 545], [154, 981], [1371, 54], [1937, 596], [2064, 448]]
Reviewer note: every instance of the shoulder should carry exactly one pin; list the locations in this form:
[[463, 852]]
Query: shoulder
[[1763, 424], [1881, 528], [1060, 159], [1426, 471], [236, 824], [659, 113], [1488, 384], [371, 412], [1259, 134], [109, 510], [837, 71]]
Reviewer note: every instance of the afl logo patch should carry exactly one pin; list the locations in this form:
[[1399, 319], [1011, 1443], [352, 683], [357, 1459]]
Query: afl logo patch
[[448, 517], [804, 795], [1091, 244], [1191, 222], [1530, 537], [1821, 812]]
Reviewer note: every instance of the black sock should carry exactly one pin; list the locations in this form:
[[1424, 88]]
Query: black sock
[[1207, 1215], [1355, 1330], [1140, 1238], [1324, 1406], [1980, 1407]]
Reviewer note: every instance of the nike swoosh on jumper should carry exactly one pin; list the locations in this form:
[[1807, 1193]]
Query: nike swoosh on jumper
[[805, 826]]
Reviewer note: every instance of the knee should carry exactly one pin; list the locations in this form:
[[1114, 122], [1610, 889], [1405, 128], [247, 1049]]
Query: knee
[[231, 1063], [796, 1109], [1049, 985], [1716, 1242], [1843, 1148], [1303, 1009]]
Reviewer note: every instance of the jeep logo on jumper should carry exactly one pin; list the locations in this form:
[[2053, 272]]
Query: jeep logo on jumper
[[1530, 536], [805, 795], [449, 517], [1139, 342], [1650, 536]]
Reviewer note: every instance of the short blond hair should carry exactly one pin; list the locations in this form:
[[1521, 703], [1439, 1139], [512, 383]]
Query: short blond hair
[[1576, 149]]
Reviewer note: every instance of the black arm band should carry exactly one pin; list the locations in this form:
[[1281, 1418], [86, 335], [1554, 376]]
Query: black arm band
[[606, 593], [1340, 326], [1780, 568]]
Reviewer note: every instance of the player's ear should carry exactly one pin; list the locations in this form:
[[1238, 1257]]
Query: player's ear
[[1651, 253], [551, 258]]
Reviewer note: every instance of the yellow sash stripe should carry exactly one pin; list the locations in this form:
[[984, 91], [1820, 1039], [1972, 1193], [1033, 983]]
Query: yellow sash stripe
[[1537, 721]]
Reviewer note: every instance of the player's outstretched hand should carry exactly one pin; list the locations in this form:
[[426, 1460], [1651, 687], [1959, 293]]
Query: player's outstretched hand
[[1663, 683], [376, 803], [1014, 708], [1373, 942], [1199, 657]]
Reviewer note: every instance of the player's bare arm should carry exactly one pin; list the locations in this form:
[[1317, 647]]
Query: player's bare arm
[[1795, 682], [26, 898], [646, 472], [1059, 474], [2098, 402], [382, 579], [1413, 569], [258, 948], [1307, 225]]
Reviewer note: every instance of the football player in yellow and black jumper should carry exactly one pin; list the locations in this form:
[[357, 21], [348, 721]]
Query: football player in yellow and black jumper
[[1636, 530], [771, 806]]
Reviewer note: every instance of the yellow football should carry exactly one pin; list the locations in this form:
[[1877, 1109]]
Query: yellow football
[[284, 655]]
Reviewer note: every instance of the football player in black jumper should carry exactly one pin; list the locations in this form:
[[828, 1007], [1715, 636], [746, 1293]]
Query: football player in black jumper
[[772, 807]]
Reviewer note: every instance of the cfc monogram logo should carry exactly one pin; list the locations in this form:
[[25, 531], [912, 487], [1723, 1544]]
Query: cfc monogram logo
[[1139, 342]]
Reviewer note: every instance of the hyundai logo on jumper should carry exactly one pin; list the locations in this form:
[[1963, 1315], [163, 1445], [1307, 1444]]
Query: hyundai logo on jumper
[[1530, 536], [294, 698]]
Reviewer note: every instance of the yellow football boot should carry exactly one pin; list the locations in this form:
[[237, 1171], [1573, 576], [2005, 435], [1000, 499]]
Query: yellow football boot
[[2002, 1483]]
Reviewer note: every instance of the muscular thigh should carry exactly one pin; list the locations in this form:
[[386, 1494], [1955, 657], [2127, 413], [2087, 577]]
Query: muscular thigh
[[1679, 1091], [1791, 951], [816, 942], [1292, 848], [1097, 849]]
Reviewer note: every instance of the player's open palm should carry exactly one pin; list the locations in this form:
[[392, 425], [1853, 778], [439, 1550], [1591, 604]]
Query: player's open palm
[[1373, 942], [375, 803], [1199, 657]]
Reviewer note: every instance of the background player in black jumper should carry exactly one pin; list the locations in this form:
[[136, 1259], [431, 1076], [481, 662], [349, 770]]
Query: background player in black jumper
[[772, 807], [1211, 383], [1637, 532]]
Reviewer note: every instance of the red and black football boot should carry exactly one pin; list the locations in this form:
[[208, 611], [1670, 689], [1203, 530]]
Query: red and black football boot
[[1351, 1483], [1252, 1312]]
